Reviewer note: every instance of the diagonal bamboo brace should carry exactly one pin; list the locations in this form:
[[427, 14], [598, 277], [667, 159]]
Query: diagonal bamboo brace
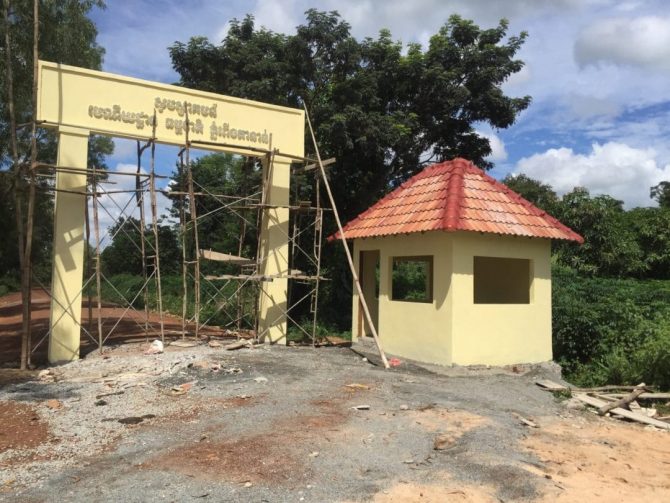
[[364, 303]]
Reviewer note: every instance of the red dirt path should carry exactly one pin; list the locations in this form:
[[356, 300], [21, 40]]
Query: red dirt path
[[129, 329]]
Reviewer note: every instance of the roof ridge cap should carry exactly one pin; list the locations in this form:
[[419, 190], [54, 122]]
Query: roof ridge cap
[[455, 194]]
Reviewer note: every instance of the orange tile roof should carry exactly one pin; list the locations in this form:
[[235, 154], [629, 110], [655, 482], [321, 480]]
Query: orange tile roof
[[455, 196]]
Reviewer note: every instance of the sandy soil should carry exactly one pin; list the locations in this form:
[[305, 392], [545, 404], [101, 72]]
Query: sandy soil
[[602, 461]]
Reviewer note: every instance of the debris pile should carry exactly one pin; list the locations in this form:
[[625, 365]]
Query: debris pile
[[622, 402]]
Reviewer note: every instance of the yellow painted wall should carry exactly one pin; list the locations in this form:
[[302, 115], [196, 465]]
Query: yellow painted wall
[[68, 254], [501, 334], [453, 329], [415, 330]]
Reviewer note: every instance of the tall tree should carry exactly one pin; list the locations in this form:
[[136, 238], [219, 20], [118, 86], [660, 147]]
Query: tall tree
[[538, 193], [610, 247], [382, 109], [66, 35], [56, 30], [661, 194], [380, 112]]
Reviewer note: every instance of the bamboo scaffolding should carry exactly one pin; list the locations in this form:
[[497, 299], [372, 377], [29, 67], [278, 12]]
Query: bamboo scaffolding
[[184, 263], [98, 272], [236, 205], [139, 195], [194, 223], [318, 237], [343, 238], [154, 225]]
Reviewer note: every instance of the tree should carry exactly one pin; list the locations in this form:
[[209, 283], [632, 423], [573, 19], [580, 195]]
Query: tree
[[381, 111], [661, 194], [610, 247], [58, 31], [538, 193], [651, 227], [123, 255], [66, 36], [220, 176]]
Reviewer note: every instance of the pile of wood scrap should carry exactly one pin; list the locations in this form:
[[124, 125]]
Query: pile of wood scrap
[[618, 401]]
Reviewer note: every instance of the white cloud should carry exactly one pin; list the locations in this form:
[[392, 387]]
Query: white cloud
[[498, 152], [613, 168], [643, 42], [277, 16]]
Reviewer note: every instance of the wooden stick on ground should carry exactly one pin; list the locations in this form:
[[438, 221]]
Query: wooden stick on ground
[[623, 401], [594, 402], [361, 297]]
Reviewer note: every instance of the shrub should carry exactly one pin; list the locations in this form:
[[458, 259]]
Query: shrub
[[611, 331]]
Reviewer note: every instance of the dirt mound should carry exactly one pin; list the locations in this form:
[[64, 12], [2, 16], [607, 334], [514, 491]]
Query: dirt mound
[[268, 457], [22, 427]]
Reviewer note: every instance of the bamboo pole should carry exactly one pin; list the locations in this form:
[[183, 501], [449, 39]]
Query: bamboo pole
[[154, 225], [18, 188], [184, 263], [139, 196], [194, 223], [318, 236], [87, 230], [26, 266], [260, 255], [359, 290], [98, 272]]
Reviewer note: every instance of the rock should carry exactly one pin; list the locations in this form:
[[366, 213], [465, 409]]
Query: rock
[[444, 441], [135, 419], [54, 404], [155, 348], [200, 364], [574, 404]]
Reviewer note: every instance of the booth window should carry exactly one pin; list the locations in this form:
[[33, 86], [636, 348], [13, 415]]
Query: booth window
[[502, 280], [412, 279]]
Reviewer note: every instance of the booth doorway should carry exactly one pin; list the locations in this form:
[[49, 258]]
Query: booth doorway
[[368, 274]]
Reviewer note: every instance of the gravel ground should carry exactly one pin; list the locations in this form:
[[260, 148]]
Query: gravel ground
[[276, 424]]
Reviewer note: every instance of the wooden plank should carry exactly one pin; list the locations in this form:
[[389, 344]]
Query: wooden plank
[[224, 257], [249, 277], [594, 402], [549, 385], [644, 396], [622, 402]]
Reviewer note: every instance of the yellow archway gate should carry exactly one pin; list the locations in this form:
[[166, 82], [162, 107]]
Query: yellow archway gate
[[78, 102]]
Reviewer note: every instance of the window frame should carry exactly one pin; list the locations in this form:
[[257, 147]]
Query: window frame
[[528, 297], [429, 259]]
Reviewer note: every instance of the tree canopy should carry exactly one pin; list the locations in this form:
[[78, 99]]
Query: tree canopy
[[382, 111], [68, 36]]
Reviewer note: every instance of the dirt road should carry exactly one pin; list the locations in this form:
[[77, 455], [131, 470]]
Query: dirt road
[[298, 424]]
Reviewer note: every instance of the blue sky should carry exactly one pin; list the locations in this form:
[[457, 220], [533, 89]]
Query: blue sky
[[597, 71]]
